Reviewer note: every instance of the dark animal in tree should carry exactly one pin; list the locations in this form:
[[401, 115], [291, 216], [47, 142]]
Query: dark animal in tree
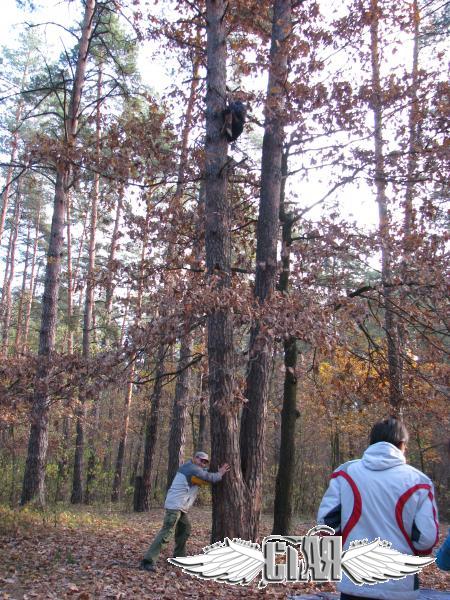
[[233, 120]]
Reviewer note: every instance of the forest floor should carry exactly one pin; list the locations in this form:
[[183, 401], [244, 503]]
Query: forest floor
[[89, 554]]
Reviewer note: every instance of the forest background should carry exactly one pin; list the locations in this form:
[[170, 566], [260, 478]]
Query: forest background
[[267, 301]]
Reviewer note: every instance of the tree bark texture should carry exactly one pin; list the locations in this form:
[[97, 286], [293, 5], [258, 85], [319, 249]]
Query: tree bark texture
[[33, 482], [286, 464], [228, 498], [63, 460], [253, 424], [34, 476]]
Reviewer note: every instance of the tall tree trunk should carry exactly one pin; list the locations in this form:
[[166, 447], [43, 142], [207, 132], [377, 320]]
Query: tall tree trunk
[[69, 282], [335, 446], [78, 463], [14, 146], [411, 173], [202, 437], [143, 486], [6, 275], [89, 317], [111, 258], [34, 477], [177, 437], [188, 122], [413, 124], [9, 175], [230, 498], [286, 462], [78, 276], [390, 321], [254, 413], [30, 294], [118, 472], [200, 434], [92, 456], [6, 295], [283, 505], [13, 490], [134, 461], [22, 295], [107, 459], [63, 460]]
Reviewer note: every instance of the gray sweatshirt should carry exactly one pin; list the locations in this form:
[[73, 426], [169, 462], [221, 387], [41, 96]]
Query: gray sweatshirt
[[185, 485]]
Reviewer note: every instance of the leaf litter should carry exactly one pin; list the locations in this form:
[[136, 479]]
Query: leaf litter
[[90, 554]]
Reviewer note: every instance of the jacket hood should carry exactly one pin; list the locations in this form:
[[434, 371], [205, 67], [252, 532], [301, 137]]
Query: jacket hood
[[383, 455]]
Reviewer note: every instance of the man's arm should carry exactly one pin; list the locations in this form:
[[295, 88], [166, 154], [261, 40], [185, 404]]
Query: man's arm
[[426, 528], [201, 477], [330, 508]]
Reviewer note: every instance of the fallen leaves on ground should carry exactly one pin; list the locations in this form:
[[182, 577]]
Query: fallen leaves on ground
[[86, 555]]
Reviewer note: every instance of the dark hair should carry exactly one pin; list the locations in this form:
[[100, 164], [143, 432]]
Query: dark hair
[[390, 430]]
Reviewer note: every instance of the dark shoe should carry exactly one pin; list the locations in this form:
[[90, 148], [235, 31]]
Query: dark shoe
[[147, 566]]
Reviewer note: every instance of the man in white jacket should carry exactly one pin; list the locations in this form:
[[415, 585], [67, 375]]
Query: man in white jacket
[[381, 496]]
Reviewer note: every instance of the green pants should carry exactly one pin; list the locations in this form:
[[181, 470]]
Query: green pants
[[174, 521]]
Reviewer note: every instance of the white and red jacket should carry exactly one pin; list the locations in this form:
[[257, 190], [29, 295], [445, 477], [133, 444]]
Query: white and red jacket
[[381, 496]]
